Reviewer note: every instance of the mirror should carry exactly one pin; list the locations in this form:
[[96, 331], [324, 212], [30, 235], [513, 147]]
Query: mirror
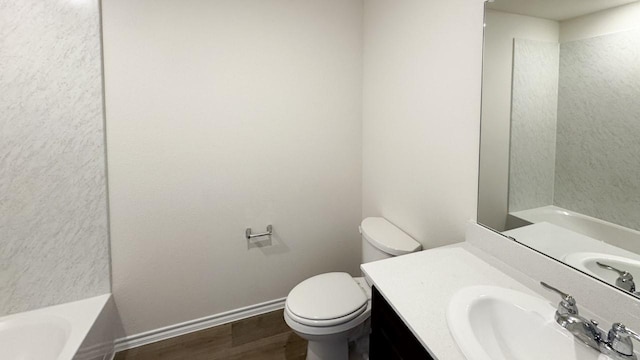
[[560, 143]]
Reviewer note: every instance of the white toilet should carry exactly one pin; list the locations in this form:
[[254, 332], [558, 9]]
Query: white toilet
[[330, 310]]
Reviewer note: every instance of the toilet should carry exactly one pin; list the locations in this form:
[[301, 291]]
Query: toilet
[[331, 310]]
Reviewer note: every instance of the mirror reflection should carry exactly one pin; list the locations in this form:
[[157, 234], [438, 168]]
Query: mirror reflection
[[560, 147]]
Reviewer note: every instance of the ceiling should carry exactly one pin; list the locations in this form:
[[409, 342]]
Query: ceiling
[[555, 9]]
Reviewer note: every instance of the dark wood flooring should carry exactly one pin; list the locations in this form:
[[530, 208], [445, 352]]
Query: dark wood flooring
[[262, 337]]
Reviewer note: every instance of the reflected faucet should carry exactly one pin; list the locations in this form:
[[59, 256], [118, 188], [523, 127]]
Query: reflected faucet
[[624, 280], [615, 344]]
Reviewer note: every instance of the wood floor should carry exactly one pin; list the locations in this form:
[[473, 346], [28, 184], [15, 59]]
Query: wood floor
[[263, 337]]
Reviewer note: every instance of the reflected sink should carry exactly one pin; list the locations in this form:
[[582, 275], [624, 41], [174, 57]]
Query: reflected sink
[[586, 262], [494, 323]]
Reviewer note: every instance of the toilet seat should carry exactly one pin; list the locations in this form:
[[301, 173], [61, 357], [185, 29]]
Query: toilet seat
[[327, 322], [309, 332], [326, 300]]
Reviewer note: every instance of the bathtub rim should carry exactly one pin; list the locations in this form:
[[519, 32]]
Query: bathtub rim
[[81, 315]]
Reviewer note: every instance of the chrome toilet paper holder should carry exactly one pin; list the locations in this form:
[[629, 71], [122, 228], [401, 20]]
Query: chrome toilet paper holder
[[250, 236]]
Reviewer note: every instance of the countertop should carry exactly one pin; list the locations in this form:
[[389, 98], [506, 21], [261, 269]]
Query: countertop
[[418, 287]]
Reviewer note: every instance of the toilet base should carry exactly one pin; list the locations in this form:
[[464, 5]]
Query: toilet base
[[359, 349], [351, 345], [324, 350]]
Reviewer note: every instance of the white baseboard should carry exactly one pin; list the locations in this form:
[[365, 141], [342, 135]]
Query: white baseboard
[[187, 327]]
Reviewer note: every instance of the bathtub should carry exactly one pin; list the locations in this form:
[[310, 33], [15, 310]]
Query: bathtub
[[79, 330], [610, 233]]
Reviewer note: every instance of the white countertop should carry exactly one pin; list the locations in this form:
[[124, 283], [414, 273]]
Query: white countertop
[[418, 286]]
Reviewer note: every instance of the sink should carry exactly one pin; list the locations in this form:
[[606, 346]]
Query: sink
[[586, 262], [494, 323]]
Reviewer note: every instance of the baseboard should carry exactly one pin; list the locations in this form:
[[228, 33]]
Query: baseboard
[[187, 327]]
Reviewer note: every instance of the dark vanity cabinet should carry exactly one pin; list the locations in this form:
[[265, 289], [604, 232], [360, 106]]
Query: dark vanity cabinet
[[390, 338]]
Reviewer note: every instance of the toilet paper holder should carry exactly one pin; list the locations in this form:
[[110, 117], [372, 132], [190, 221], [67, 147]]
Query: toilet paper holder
[[249, 235]]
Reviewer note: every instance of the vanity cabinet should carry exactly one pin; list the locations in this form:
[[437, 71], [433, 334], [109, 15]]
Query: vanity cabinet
[[390, 338]]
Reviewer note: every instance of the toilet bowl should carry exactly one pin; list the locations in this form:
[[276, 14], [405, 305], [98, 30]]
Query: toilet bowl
[[331, 310]]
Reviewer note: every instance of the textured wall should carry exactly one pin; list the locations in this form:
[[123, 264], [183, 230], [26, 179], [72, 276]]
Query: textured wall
[[533, 124], [598, 146], [53, 212]]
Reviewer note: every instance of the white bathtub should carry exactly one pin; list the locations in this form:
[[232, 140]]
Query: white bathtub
[[610, 233], [76, 330]]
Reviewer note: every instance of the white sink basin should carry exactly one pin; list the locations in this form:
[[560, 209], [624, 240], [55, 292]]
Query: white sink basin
[[493, 323], [586, 262]]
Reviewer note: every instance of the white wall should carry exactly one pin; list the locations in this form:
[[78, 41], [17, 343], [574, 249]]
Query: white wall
[[224, 115], [421, 107], [500, 31], [54, 237], [622, 18]]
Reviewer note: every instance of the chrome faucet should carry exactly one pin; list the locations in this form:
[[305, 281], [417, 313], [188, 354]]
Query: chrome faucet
[[615, 344], [619, 339], [624, 280]]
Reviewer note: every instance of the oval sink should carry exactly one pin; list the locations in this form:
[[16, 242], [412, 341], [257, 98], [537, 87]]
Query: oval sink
[[493, 323], [586, 262]]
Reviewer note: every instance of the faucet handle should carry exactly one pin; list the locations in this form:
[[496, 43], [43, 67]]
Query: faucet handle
[[624, 280], [609, 267], [620, 339], [568, 302], [564, 295]]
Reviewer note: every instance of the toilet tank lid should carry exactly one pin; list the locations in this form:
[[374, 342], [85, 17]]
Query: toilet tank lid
[[387, 237]]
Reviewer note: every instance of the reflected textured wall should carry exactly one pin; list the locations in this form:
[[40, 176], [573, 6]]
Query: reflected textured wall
[[598, 144], [533, 124], [53, 211]]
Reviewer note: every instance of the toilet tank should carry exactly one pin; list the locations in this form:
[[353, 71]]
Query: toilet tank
[[381, 239]]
